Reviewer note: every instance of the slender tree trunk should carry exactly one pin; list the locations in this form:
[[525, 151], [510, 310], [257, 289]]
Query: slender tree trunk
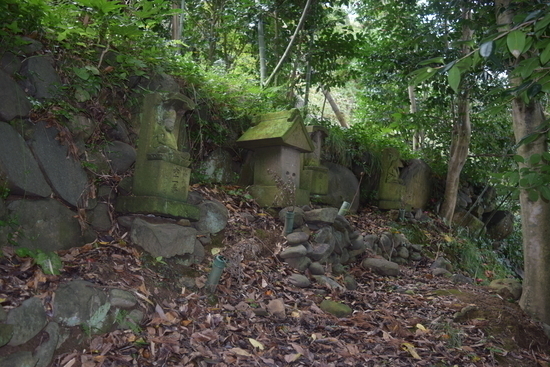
[[290, 44], [535, 215], [339, 115], [418, 136], [261, 48], [462, 132]]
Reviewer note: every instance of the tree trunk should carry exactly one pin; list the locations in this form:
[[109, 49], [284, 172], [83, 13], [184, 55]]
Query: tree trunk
[[418, 136], [290, 44], [261, 48], [460, 137], [335, 109]]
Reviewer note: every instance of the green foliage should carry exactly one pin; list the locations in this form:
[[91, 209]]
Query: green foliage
[[49, 261]]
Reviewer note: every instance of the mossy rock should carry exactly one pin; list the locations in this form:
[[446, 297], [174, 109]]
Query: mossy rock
[[335, 308]]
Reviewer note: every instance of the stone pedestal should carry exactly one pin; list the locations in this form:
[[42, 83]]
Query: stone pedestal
[[161, 179]]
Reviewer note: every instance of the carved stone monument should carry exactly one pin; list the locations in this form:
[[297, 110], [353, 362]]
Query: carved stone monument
[[391, 189], [161, 179], [278, 139], [314, 175]]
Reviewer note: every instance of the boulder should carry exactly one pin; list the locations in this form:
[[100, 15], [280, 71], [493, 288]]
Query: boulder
[[45, 351], [46, 224], [213, 217], [298, 216], [299, 280], [296, 238], [464, 219], [416, 177], [507, 287], [163, 239], [293, 251], [321, 216], [76, 302], [17, 164], [218, 167], [500, 224], [27, 320], [342, 186], [41, 80], [381, 266], [13, 100], [121, 156]]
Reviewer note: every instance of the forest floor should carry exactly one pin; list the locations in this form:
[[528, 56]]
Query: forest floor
[[414, 319]]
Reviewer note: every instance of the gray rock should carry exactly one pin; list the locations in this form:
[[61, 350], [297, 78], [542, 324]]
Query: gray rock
[[329, 282], [358, 243], [338, 269], [163, 239], [321, 216], [441, 272], [403, 252], [319, 251], [296, 238], [341, 224], [345, 256], [17, 163], [135, 317], [299, 263], [276, 307], [13, 100], [18, 359], [3, 314], [417, 248], [416, 256], [459, 278], [213, 217], [338, 242], [342, 186], [100, 218], [162, 82], [194, 198], [121, 156], [6, 332], [386, 245], [416, 177], [500, 225], [381, 266], [46, 224], [350, 283], [293, 251], [316, 268], [442, 263], [511, 286], [41, 79], [27, 320], [30, 46], [66, 175], [353, 235], [106, 193], [76, 302], [45, 351], [121, 298], [370, 240], [299, 280], [336, 308], [81, 126], [9, 63], [325, 235]]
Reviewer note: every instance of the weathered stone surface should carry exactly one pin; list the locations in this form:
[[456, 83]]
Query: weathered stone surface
[[441, 272], [18, 359], [328, 281], [213, 217], [350, 283], [18, 165], [30, 46], [44, 353], [46, 224], [66, 175], [320, 251], [416, 256], [403, 252], [316, 268], [386, 244], [459, 278], [416, 177], [464, 219], [325, 235], [276, 307], [161, 82], [442, 263], [321, 216], [381, 266], [370, 240], [164, 239], [338, 269], [342, 186], [13, 100], [391, 189], [121, 298], [293, 251], [512, 286], [6, 332], [27, 320], [218, 167], [299, 280], [500, 224], [81, 126], [3, 314], [358, 243], [296, 238], [157, 206], [299, 263], [341, 224], [335, 308], [100, 218], [121, 156], [9, 63], [41, 79], [76, 302]]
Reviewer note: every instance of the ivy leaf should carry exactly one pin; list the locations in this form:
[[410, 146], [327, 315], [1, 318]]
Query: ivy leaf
[[516, 42], [486, 49], [533, 195], [519, 158], [454, 78], [535, 158], [545, 55]]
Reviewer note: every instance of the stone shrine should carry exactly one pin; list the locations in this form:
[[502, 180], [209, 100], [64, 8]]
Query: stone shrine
[[161, 179], [278, 139], [391, 189]]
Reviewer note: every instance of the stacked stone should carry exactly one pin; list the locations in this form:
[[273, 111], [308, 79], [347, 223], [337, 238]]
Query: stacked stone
[[394, 246]]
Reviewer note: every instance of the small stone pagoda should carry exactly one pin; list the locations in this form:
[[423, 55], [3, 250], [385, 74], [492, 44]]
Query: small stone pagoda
[[161, 179], [278, 140]]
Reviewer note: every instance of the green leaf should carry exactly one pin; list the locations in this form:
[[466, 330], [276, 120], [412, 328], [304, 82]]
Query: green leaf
[[423, 74], [541, 24], [454, 78], [533, 195], [82, 95], [546, 156], [519, 158], [486, 49], [545, 192], [530, 138], [82, 73], [526, 67], [535, 158], [545, 55], [516, 42], [534, 90], [435, 60]]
